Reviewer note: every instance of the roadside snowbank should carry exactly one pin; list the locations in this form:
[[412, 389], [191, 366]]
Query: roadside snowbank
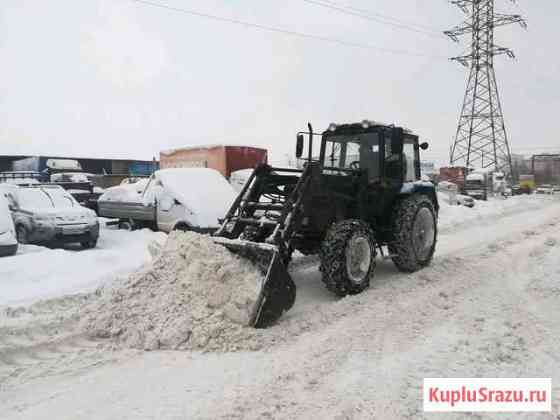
[[196, 295], [37, 272], [451, 217]]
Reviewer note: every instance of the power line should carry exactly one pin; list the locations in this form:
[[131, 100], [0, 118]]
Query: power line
[[285, 31], [375, 17]]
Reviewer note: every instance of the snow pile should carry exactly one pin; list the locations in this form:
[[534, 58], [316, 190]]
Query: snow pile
[[451, 216], [196, 295], [38, 272]]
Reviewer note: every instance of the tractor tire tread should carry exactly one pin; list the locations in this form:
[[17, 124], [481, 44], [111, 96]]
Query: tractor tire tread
[[333, 257], [405, 211]]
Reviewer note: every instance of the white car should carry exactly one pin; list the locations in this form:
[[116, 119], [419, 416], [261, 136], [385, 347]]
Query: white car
[[48, 214], [8, 241], [545, 189], [465, 200], [449, 192], [171, 199]]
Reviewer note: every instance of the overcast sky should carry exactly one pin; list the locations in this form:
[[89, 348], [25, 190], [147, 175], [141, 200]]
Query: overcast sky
[[116, 78]]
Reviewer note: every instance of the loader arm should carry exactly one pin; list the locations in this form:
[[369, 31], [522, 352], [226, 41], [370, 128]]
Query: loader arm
[[261, 225]]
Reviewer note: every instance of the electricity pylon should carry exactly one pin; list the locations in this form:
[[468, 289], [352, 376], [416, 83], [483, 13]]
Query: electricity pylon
[[481, 138]]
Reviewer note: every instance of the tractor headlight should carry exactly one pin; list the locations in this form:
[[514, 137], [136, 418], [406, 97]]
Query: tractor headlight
[[332, 127], [365, 124]]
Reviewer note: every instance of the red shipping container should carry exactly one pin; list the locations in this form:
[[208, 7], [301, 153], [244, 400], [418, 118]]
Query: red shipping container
[[225, 159], [455, 174]]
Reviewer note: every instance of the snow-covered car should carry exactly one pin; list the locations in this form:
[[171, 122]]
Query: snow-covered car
[[449, 192], [22, 177], [8, 241], [465, 200], [238, 179], [171, 199], [126, 191], [133, 180], [545, 189], [72, 177], [454, 199], [48, 214], [476, 185]]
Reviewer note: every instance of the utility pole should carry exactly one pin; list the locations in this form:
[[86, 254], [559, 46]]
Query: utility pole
[[481, 137]]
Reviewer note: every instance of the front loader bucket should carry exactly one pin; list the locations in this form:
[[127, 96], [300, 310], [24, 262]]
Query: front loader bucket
[[277, 290]]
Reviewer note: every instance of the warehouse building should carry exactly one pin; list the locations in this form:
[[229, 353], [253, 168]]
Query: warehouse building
[[129, 167], [546, 168]]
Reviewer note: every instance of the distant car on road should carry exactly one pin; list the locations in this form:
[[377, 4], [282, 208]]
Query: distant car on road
[[545, 189], [449, 192], [50, 215], [465, 200], [8, 241]]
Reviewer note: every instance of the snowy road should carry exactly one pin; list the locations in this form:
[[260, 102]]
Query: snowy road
[[488, 306]]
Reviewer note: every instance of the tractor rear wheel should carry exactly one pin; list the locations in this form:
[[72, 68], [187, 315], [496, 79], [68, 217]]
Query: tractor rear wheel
[[348, 257], [414, 233]]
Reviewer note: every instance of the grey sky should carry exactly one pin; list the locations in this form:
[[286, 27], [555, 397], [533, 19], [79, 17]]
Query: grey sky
[[115, 78]]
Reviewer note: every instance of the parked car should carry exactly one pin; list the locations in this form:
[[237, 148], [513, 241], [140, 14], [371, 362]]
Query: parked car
[[172, 199], [545, 189], [476, 186], [527, 184], [8, 241], [517, 190], [556, 188], [50, 215], [465, 200], [449, 192], [23, 177]]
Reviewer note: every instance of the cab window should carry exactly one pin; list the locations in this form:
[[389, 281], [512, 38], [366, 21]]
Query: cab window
[[408, 164], [354, 152]]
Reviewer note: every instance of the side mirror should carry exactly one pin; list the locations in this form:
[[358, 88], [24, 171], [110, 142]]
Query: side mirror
[[424, 146], [397, 140], [299, 145]]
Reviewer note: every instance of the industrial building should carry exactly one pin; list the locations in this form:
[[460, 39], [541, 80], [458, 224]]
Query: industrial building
[[546, 168], [130, 167]]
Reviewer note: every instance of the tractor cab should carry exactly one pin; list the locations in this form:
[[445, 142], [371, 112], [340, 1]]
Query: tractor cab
[[387, 154]]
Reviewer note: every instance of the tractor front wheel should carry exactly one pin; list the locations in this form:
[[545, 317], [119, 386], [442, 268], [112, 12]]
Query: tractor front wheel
[[348, 257], [414, 233]]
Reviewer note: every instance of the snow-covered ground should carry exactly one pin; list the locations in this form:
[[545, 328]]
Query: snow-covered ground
[[488, 306], [37, 272], [451, 217]]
